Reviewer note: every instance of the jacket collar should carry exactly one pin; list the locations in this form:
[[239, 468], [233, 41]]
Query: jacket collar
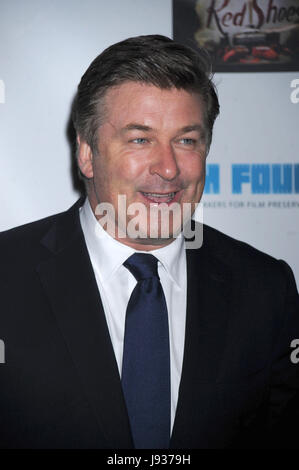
[[69, 282], [208, 309]]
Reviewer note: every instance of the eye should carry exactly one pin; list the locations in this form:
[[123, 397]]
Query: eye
[[139, 140], [187, 141]]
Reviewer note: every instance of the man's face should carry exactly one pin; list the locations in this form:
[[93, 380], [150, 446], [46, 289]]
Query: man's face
[[152, 149]]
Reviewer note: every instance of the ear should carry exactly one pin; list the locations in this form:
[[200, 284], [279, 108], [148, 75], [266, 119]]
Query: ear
[[85, 157]]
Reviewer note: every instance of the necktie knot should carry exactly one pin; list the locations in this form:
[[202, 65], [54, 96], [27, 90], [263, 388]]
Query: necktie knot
[[142, 266]]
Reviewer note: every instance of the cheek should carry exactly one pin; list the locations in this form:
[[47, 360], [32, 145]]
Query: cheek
[[119, 175], [193, 171], [127, 169]]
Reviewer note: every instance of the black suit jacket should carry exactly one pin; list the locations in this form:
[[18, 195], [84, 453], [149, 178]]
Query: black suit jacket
[[60, 387]]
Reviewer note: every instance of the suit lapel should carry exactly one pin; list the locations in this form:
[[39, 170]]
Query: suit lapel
[[69, 282], [208, 296]]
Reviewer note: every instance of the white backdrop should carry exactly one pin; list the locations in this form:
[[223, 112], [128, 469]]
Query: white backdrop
[[46, 45]]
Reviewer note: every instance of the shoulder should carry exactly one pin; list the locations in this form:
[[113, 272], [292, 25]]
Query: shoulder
[[21, 246], [243, 259], [29, 231], [24, 247], [28, 236], [231, 249]]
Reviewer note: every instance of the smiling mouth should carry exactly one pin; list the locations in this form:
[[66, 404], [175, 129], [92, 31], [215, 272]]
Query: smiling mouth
[[160, 197]]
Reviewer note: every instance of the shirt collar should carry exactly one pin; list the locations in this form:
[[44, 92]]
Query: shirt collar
[[110, 254]]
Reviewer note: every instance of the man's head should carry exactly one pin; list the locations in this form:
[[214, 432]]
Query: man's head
[[144, 116]]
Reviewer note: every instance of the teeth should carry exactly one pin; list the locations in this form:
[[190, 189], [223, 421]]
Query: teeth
[[160, 195]]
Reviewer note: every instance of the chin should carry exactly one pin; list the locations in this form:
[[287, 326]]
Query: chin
[[159, 236], [148, 244]]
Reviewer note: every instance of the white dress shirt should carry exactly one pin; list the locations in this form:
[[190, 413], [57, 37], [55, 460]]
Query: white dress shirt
[[116, 283]]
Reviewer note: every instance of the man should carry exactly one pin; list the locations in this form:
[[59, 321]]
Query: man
[[116, 335]]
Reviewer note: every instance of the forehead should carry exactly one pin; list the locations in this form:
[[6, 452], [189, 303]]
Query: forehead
[[152, 106]]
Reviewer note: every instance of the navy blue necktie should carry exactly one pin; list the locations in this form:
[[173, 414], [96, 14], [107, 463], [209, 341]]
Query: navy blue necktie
[[146, 359]]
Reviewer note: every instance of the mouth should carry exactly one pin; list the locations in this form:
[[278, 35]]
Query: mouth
[[159, 198]]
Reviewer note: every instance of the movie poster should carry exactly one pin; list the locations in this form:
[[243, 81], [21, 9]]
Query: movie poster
[[241, 36]]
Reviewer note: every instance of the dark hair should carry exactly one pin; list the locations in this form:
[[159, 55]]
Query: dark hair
[[152, 59]]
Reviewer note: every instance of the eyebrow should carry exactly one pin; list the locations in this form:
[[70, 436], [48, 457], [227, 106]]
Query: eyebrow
[[141, 127], [135, 126], [194, 127]]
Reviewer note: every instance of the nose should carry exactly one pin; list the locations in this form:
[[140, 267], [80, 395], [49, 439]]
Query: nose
[[164, 163]]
